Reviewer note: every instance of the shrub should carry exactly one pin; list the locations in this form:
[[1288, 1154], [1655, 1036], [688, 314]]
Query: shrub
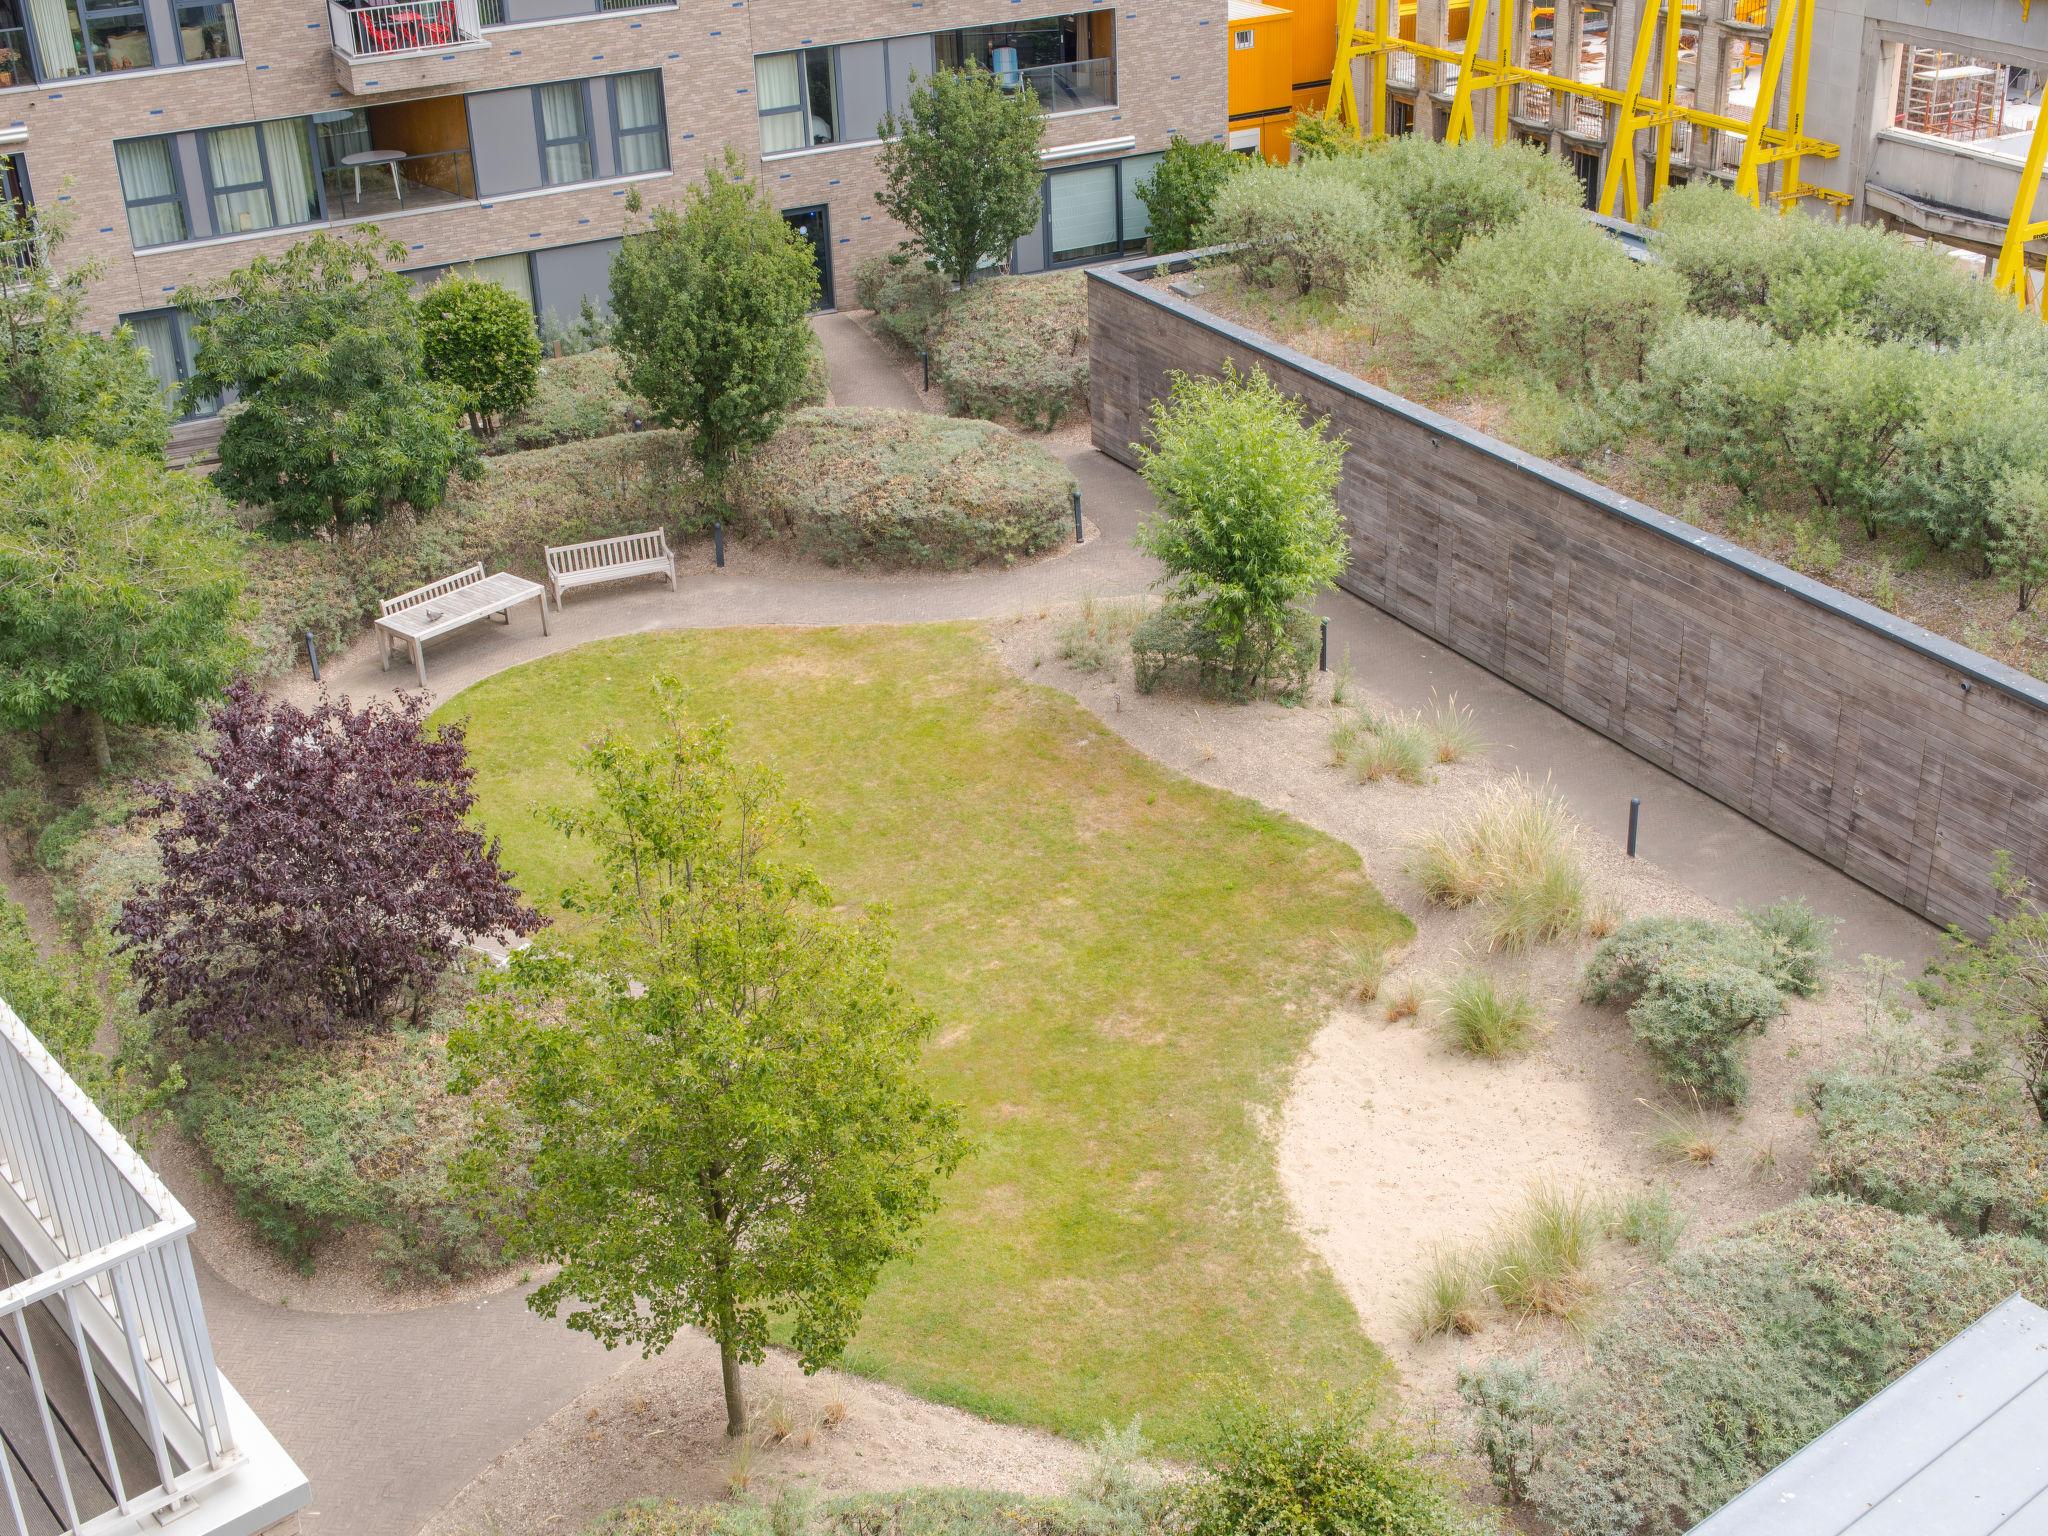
[[1178, 642], [580, 396], [1181, 192], [1339, 1470], [1518, 852], [1974, 430], [908, 298], [1725, 1362], [1957, 1144], [1015, 349], [1452, 1291], [1247, 526], [314, 1143], [1481, 1019], [1307, 229], [906, 489], [478, 338], [1796, 942], [2018, 551], [1513, 1408], [1540, 1268], [1647, 1220], [320, 876], [1998, 986], [1443, 195], [1696, 1024]]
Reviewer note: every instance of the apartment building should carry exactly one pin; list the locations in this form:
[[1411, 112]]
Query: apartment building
[[184, 137]]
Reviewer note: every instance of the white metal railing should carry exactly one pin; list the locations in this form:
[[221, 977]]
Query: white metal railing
[[105, 1248], [407, 26]]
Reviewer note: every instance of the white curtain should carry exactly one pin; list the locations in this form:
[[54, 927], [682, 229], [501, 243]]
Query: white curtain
[[54, 23], [235, 159], [1082, 210], [513, 273], [291, 171], [639, 106], [779, 85], [157, 335], [561, 117], [146, 172]]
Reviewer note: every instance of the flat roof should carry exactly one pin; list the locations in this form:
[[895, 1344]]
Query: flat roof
[[1958, 1446]]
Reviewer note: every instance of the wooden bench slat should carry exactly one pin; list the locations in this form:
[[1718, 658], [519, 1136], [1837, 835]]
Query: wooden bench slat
[[610, 559]]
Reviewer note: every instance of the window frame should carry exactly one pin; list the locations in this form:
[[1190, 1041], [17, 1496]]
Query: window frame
[[1121, 165], [802, 109], [658, 128], [179, 7], [132, 9], [179, 193], [215, 191], [586, 137]]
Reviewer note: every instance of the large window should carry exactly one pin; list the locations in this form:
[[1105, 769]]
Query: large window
[[1091, 212], [260, 176], [563, 113], [165, 336], [150, 187], [639, 127], [208, 31], [49, 40]]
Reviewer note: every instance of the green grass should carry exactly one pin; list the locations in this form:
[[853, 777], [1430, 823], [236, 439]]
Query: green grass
[[1125, 964]]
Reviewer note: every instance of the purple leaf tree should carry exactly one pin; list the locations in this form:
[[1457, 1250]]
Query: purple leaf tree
[[320, 877]]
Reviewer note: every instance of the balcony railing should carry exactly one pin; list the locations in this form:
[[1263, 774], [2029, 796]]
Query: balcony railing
[[409, 26], [113, 1412], [1073, 87]]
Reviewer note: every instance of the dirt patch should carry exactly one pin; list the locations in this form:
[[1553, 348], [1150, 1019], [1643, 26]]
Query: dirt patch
[[1391, 1144], [656, 1428]]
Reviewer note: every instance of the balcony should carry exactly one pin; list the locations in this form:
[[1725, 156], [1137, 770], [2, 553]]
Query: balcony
[[1073, 87], [113, 1417], [385, 182], [407, 46]]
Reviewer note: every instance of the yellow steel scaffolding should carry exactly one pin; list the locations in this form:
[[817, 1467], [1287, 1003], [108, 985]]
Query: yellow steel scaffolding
[[1649, 100], [2010, 274]]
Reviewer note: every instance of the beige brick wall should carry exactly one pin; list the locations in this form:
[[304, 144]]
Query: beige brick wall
[[1170, 74]]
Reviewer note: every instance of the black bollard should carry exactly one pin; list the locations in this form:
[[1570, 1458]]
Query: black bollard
[[1077, 514], [1323, 653], [1635, 813], [718, 545], [926, 358], [313, 655]]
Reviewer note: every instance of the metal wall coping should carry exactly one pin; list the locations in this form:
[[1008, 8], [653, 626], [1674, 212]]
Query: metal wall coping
[[1973, 667]]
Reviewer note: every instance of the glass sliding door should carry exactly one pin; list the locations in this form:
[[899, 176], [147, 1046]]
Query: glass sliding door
[[1081, 213]]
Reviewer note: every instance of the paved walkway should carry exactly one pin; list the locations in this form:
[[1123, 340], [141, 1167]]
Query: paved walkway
[[390, 1414]]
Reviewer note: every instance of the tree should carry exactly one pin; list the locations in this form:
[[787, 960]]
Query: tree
[[319, 877], [336, 419], [715, 1086], [1248, 526], [1998, 985], [708, 310], [1182, 189], [2019, 533], [56, 378], [119, 590], [960, 169], [479, 339]]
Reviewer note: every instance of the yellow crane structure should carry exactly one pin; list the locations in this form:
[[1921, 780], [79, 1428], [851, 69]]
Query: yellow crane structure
[[2009, 276], [1647, 102]]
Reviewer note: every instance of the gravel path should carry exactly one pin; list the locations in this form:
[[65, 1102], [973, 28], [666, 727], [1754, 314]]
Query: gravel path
[[393, 1414]]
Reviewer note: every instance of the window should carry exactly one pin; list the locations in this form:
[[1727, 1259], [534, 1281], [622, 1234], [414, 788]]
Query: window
[[639, 128], [260, 176], [1242, 38], [165, 336], [208, 31], [1081, 213], [116, 36], [564, 116], [149, 186], [798, 101], [1134, 173]]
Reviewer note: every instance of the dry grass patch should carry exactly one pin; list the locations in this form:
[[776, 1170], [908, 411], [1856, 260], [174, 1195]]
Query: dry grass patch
[[1483, 1018], [1517, 853]]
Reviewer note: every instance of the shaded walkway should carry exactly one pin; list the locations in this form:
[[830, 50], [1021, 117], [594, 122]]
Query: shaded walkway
[[391, 1414]]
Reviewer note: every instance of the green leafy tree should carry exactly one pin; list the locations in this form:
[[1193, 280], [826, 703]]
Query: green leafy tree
[[56, 378], [715, 1089], [337, 420], [1324, 136], [119, 587], [1248, 526], [479, 339], [960, 169], [1181, 190], [708, 311], [1998, 985], [2019, 533]]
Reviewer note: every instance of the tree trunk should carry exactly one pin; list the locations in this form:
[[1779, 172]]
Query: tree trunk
[[96, 733], [735, 1400]]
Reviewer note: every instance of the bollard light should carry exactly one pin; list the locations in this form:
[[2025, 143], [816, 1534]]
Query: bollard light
[[925, 358], [1076, 496], [313, 655], [1323, 654], [1635, 815], [718, 545]]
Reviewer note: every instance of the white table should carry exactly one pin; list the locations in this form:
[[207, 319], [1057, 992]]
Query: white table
[[363, 157], [443, 615]]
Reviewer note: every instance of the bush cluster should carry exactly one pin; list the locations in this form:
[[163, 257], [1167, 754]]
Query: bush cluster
[[1015, 350], [1697, 991], [908, 297], [1176, 643], [1180, 193], [905, 489], [1517, 854], [1734, 1356]]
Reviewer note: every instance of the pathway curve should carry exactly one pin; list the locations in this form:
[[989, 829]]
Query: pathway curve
[[391, 1414]]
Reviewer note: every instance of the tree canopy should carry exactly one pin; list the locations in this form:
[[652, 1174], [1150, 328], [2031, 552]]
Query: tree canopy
[[480, 340], [336, 420], [960, 168], [119, 589], [714, 1087], [709, 305]]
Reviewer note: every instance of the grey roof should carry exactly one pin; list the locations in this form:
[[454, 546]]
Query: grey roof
[[1958, 1446]]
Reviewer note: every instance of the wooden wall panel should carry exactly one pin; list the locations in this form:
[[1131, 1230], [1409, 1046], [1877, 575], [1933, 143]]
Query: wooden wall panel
[[1899, 757]]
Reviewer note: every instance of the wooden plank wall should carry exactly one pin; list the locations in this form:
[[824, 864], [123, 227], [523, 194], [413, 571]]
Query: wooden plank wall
[[1896, 756]]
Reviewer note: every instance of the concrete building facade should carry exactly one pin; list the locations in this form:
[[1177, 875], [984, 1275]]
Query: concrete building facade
[[182, 138]]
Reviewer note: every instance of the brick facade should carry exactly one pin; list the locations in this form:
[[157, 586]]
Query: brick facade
[[1170, 62]]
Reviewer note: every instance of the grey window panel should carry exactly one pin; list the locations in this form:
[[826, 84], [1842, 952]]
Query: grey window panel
[[192, 176], [162, 27], [505, 141], [546, 10], [863, 90], [907, 56], [568, 274], [1029, 256], [604, 159]]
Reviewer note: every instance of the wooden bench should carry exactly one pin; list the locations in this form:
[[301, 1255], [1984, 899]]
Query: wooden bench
[[442, 607], [630, 554]]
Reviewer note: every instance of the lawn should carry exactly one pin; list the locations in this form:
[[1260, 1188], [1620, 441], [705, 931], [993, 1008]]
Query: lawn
[[1125, 965]]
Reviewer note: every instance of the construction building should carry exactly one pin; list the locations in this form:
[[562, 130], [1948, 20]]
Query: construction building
[[182, 138]]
